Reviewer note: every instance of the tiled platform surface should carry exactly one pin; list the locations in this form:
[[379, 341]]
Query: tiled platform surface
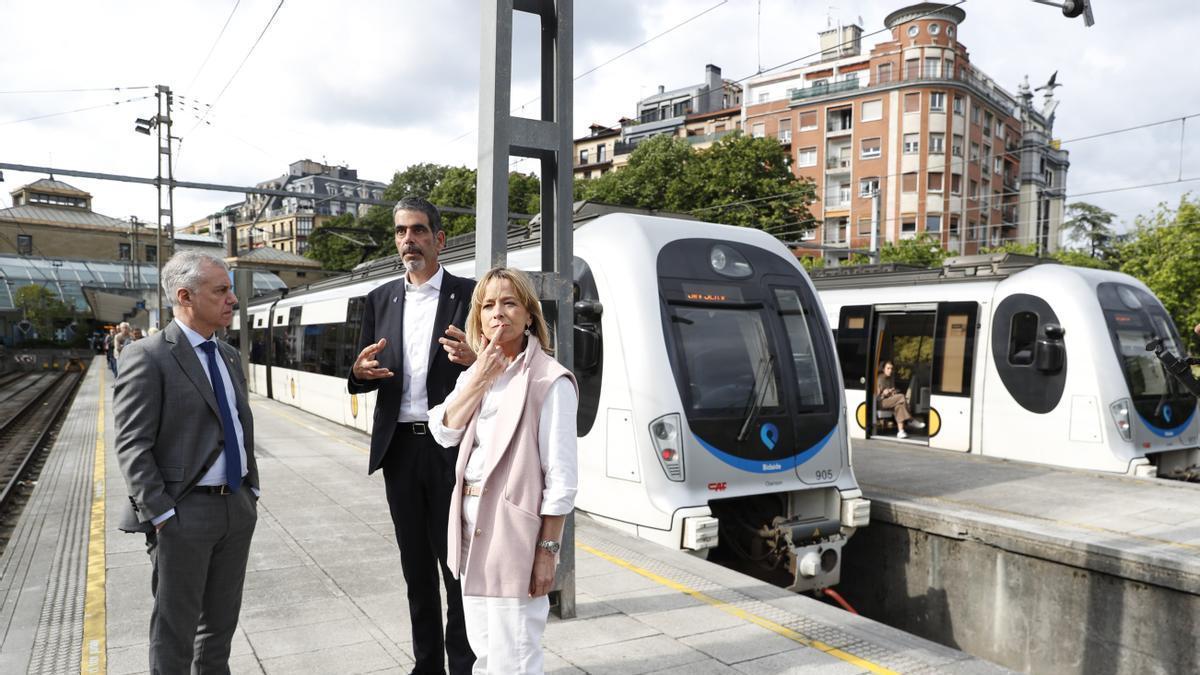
[[324, 593]]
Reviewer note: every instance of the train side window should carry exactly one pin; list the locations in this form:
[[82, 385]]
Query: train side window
[[853, 344], [954, 348], [1022, 338]]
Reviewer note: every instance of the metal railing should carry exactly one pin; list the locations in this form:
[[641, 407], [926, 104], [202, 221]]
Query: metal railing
[[983, 87], [824, 89]]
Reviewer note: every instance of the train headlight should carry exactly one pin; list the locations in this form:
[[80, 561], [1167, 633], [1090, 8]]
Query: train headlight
[[726, 261], [665, 433], [1120, 414]]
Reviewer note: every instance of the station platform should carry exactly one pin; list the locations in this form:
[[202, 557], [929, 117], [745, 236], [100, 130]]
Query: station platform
[[1039, 568], [324, 593]]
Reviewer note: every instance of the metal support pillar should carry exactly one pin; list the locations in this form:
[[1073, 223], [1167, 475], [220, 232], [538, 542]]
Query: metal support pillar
[[243, 288], [166, 207], [547, 139]]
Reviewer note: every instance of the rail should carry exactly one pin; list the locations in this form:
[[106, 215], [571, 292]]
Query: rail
[[27, 422]]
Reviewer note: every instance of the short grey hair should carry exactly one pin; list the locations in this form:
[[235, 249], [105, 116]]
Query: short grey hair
[[183, 270], [420, 205]]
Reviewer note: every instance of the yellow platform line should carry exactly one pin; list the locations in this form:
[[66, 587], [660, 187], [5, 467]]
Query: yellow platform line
[[742, 614], [95, 638]]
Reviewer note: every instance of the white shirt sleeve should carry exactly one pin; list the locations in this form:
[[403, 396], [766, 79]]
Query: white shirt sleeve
[[557, 447], [442, 434]]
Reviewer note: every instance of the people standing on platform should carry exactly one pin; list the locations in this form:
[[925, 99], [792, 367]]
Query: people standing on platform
[[110, 349], [411, 351], [123, 337], [891, 399], [185, 444], [516, 477]]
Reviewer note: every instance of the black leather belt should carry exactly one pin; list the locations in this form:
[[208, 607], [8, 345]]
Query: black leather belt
[[213, 489], [414, 428]]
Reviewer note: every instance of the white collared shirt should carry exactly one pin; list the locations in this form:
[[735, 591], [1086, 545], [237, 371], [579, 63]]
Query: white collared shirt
[[556, 436], [420, 312], [216, 473]]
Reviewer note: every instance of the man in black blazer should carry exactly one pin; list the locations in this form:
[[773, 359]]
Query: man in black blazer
[[411, 351], [185, 443]]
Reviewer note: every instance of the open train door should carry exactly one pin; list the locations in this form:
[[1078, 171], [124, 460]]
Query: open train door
[[950, 382], [854, 356]]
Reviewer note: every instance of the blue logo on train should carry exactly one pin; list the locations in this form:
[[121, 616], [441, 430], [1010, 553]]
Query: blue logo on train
[[769, 435], [1167, 413]]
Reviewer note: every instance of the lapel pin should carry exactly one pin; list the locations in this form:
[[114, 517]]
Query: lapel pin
[[395, 298], [451, 296]]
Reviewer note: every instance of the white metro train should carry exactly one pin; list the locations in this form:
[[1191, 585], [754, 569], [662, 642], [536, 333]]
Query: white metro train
[[711, 412], [1005, 357]]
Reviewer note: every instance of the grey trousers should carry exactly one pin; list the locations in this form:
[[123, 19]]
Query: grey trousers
[[199, 560]]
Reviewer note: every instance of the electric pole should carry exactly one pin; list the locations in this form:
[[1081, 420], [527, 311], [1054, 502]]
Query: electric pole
[[166, 204]]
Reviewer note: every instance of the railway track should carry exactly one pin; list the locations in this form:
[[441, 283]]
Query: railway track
[[30, 407]]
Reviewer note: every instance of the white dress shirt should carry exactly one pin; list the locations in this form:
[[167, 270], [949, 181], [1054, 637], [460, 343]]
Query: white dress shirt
[[216, 473], [420, 312], [556, 436]]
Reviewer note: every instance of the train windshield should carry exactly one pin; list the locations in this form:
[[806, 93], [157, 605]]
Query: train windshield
[[727, 359], [1134, 318]]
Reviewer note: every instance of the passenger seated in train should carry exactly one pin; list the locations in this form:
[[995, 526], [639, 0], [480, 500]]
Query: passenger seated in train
[[888, 397]]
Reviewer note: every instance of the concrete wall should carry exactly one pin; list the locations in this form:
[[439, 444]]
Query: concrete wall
[[1027, 613]]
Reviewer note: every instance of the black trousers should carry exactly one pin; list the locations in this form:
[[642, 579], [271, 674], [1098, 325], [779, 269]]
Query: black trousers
[[419, 476]]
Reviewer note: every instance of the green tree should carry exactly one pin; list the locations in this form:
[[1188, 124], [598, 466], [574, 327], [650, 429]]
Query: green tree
[[924, 250], [654, 165], [1090, 224], [1029, 248], [1082, 259], [744, 181], [457, 188], [342, 242], [418, 180], [1164, 253], [42, 308]]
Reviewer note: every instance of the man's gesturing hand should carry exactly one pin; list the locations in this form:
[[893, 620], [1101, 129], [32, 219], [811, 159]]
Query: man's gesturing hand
[[457, 349], [366, 367]]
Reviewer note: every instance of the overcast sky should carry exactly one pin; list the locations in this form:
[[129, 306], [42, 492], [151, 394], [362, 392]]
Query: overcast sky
[[381, 84]]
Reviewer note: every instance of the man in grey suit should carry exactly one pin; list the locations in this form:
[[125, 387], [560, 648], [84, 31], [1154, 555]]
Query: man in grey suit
[[185, 443]]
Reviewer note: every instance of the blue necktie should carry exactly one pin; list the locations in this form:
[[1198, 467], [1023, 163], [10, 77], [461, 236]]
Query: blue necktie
[[233, 460]]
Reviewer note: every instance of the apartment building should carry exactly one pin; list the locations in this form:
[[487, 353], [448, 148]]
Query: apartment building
[[285, 223], [915, 124]]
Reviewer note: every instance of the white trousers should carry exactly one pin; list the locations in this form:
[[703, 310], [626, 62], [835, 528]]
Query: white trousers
[[505, 633]]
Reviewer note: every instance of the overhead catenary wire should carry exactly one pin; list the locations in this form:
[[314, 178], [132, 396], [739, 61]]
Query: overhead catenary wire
[[72, 91], [76, 110], [213, 48], [237, 70]]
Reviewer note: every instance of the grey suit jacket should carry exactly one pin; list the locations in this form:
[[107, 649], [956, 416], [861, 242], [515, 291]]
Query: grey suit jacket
[[168, 426]]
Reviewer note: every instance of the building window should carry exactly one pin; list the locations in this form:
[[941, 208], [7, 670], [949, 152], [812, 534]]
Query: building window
[[1000, 130], [933, 223], [937, 143], [872, 110], [974, 152], [913, 30], [956, 148], [24, 244], [583, 155], [864, 227], [908, 182], [806, 157], [935, 181], [908, 225], [151, 253], [933, 68], [958, 105], [808, 120], [885, 73], [601, 152], [841, 119], [682, 108], [912, 102], [763, 97], [785, 130], [987, 158], [975, 115], [974, 190], [934, 28], [937, 101], [870, 148], [912, 69], [953, 224], [912, 144], [998, 165], [868, 186], [987, 124], [955, 184], [758, 130]]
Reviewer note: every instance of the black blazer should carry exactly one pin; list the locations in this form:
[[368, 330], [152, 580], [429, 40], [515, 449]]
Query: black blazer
[[383, 317]]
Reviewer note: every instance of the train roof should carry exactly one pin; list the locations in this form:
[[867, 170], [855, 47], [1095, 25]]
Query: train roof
[[969, 268]]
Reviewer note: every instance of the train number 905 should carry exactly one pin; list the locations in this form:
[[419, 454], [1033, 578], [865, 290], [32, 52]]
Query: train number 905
[[823, 474]]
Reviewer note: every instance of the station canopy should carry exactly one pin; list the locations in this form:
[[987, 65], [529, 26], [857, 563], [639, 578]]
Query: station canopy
[[69, 278]]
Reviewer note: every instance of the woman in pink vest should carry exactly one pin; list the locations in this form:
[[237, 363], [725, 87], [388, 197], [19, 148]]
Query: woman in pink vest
[[512, 414]]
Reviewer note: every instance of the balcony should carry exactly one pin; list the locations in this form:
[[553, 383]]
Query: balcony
[[701, 139], [825, 89], [785, 137], [983, 88], [837, 163]]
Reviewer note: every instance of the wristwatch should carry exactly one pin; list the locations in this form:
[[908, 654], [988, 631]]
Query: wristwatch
[[550, 545]]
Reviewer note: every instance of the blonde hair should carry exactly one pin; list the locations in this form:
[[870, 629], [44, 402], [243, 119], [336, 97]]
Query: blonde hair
[[523, 288]]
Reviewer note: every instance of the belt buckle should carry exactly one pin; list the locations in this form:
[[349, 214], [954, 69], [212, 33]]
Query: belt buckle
[[224, 490], [418, 428]]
